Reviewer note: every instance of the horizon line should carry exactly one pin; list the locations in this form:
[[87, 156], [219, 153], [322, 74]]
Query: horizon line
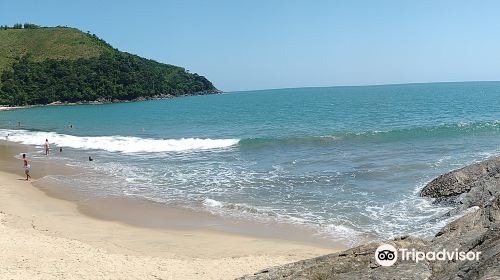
[[366, 85]]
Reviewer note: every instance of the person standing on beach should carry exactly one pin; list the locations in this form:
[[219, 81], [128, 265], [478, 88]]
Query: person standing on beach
[[47, 147], [26, 167]]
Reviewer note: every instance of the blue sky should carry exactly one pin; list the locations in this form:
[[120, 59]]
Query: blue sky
[[244, 45]]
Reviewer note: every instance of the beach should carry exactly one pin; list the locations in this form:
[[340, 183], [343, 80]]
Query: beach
[[227, 185], [45, 237], [250, 141]]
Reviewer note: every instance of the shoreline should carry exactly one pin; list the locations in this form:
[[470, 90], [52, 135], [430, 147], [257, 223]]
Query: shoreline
[[104, 101], [473, 190], [146, 213], [61, 228], [143, 212]]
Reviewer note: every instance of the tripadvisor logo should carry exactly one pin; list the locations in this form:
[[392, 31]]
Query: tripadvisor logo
[[387, 255]]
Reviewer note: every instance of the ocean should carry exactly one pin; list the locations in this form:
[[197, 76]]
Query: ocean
[[345, 162]]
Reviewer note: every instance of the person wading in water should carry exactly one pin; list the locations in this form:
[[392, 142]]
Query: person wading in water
[[47, 147]]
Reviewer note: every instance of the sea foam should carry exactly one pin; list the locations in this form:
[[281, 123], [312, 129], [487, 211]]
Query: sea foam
[[123, 144]]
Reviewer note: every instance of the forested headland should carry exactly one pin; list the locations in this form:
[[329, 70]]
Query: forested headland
[[43, 65]]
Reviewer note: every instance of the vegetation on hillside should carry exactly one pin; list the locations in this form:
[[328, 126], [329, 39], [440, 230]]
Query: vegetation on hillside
[[40, 65], [43, 43], [26, 25], [111, 77]]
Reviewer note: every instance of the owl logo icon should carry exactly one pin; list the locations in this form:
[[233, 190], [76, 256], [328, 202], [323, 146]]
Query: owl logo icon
[[386, 255]]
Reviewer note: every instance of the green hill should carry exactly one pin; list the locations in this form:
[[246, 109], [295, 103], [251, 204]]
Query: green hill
[[48, 43], [41, 65]]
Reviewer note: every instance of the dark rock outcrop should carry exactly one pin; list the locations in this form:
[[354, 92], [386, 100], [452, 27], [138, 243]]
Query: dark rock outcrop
[[462, 180], [473, 185], [474, 190]]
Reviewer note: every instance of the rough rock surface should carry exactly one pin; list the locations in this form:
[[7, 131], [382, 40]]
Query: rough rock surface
[[462, 180], [474, 189]]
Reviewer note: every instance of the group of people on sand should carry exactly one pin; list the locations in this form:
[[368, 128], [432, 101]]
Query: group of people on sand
[[46, 146], [26, 161]]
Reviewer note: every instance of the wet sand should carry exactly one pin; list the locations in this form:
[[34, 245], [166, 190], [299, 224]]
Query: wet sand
[[58, 236]]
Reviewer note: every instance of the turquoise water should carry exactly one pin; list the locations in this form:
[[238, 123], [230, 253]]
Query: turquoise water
[[344, 161]]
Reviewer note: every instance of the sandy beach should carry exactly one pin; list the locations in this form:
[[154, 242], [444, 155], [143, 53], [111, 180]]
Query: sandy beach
[[44, 237]]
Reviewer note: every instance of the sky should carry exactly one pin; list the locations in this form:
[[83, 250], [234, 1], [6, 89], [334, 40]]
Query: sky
[[262, 44]]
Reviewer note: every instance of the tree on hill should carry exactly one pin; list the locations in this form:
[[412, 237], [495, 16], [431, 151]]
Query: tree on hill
[[30, 26]]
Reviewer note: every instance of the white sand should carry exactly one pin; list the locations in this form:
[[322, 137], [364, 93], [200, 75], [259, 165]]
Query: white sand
[[46, 238]]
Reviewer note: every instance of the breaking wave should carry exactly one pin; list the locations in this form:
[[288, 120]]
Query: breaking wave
[[123, 144]]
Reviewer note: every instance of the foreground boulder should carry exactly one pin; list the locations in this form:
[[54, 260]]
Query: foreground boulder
[[474, 190], [463, 180], [356, 263], [478, 231]]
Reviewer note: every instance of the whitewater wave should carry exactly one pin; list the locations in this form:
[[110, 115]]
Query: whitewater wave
[[130, 144], [121, 144]]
